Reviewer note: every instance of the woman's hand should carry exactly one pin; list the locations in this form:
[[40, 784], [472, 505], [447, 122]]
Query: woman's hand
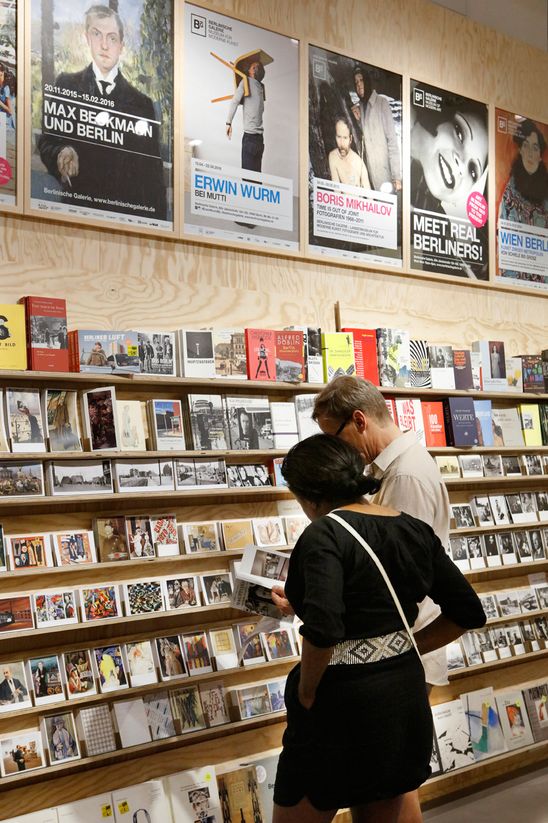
[[280, 600], [306, 699]]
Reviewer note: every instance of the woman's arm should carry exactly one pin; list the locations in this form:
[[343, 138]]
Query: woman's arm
[[314, 662], [436, 634]]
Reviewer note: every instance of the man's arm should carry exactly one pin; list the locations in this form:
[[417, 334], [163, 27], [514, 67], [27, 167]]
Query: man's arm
[[391, 139], [333, 171], [234, 103]]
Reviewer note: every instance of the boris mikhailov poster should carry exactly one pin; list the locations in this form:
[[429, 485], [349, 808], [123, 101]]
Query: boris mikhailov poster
[[355, 159], [241, 131], [449, 144], [8, 98], [102, 101], [522, 200]]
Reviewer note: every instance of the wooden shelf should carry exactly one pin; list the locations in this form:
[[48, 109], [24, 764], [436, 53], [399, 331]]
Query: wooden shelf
[[532, 524], [515, 660], [524, 480], [468, 450], [502, 572], [232, 455], [512, 618]]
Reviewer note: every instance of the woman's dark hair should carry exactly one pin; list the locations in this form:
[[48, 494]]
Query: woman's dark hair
[[534, 187], [324, 468]]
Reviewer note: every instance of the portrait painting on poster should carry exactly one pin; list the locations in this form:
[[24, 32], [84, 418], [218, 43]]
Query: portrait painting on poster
[[449, 142], [241, 83], [101, 111], [9, 80], [355, 180], [521, 183]]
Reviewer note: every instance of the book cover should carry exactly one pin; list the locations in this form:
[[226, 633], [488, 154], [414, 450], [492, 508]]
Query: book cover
[[434, 427], [304, 406], [47, 340], [452, 732], [543, 414], [229, 353], [531, 366], [536, 700], [239, 794], [441, 367], [194, 796], [365, 353], [249, 423], [394, 357], [482, 410], [24, 418], [462, 369], [157, 352], [493, 364], [514, 374], [104, 352], [530, 424], [312, 341], [261, 354], [410, 417], [13, 344], [131, 430], [97, 730], [484, 723], [289, 347], [338, 355], [419, 374], [165, 424], [284, 425], [507, 427], [477, 376], [514, 719], [461, 427], [131, 719], [89, 810], [544, 361], [143, 803], [208, 422], [197, 359]]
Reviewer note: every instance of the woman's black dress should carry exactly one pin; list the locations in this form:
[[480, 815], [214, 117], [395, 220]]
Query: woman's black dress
[[368, 735]]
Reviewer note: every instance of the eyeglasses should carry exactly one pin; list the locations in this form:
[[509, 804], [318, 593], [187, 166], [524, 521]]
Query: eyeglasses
[[345, 423]]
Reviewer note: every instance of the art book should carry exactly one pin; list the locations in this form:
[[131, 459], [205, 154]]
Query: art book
[[261, 354], [47, 338], [131, 430], [514, 374], [434, 427], [530, 424], [410, 417], [24, 417], [441, 367], [196, 352], [104, 352], [462, 368], [365, 353], [144, 803], [419, 372], [194, 796], [60, 410], [461, 426], [338, 355], [239, 792], [453, 735], [253, 598], [157, 354], [312, 343], [536, 700], [394, 357], [484, 723], [13, 344], [493, 364], [507, 427], [249, 423], [166, 425], [533, 380], [88, 810], [229, 353], [208, 422]]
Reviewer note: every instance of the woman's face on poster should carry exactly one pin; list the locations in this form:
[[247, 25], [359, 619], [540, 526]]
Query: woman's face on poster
[[456, 158], [530, 153]]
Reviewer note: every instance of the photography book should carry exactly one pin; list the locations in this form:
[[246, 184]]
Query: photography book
[[530, 424], [284, 424], [196, 353], [13, 343], [47, 337], [514, 374], [157, 352], [460, 421], [462, 369], [493, 364], [419, 372], [441, 367], [165, 425], [304, 406], [365, 353], [263, 567], [229, 354], [249, 423], [104, 352], [507, 426], [208, 422], [393, 349]]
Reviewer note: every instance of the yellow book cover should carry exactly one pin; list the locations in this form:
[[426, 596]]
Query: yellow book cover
[[338, 355], [13, 340], [530, 424], [239, 796]]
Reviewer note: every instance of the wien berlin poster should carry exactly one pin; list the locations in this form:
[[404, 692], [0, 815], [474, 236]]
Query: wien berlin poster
[[355, 112], [102, 102], [521, 200], [8, 99], [241, 130], [449, 145]]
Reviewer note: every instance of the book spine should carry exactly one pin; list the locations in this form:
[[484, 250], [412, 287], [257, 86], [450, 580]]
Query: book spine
[[447, 419]]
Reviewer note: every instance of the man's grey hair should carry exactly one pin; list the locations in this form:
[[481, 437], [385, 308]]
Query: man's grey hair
[[345, 395], [102, 12]]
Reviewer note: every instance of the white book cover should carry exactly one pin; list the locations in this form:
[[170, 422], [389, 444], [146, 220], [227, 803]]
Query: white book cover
[[409, 412], [304, 406], [514, 719], [453, 735], [269, 531], [95, 809], [263, 567], [43, 816], [194, 796], [143, 803], [25, 422], [284, 418], [223, 648], [131, 430], [475, 362], [28, 551], [165, 425], [157, 352], [143, 476], [514, 374], [14, 687], [73, 548], [229, 354], [100, 419], [79, 477], [197, 357], [312, 338], [493, 364], [508, 421], [60, 410], [483, 721], [441, 367], [132, 723]]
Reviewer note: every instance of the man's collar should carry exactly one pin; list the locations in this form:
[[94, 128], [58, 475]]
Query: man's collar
[[111, 76], [395, 449]]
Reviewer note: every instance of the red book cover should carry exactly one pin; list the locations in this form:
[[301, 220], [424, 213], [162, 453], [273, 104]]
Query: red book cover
[[47, 338], [365, 353], [391, 406], [290, 356], [261, 354], [73, 351], [434, 427]]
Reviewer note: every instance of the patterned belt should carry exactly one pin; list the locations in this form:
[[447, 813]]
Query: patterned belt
[[370, 649]]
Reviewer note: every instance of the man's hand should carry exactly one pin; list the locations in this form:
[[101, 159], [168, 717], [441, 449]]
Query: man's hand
[[68, 163], [280, 600], [228, 130], [397, 185]]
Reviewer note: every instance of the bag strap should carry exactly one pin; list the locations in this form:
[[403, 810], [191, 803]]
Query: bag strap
[[381, 569]]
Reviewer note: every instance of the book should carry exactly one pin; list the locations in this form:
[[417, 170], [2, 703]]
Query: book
[[394, 357], [25, 423], [79, 478], [60, 411], [419, 373], [13, 344], [543, 414], [434, 427], [544, 361], [482, 410], [60, 738], [338, 355], [89, 810], [530, 424], [239, 794], [304, 406], [289, 348], [143, 476], [477, 375], [261, 354], [533, 380], [514, 374], [484, 723], [130, 427], [104, 352], [249, 423], [144, 803], [96, 730], [453, 735], [462, 369], [196, 353], [131, 720], [441, 367], [506, 427], [409, 415], [165, 425], [47, 338], [461, 427], [312, 342], [100, 420], [493, 364], [536, 700], [157, 352], [514, 719], [284, 424], [365, 353], [265, 769], [229, 353], [263, 567], [208, 422], [194, 796]]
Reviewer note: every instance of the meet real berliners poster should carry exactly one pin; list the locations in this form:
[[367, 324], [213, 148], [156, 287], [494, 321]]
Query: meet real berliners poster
[[102, 102], [521, 200], [8, 97], [241, 131], [448, 143], [355, 159]]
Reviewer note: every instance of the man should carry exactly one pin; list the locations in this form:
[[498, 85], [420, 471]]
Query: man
[[381, 150], [131, 174], [11, 689], [253, 109], [97, 356], [345, 166]]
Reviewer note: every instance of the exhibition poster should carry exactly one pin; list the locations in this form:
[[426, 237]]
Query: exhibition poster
[[241, 126], [8, 101], [449, 142], [522, 200], [102, 110], [355, 180]]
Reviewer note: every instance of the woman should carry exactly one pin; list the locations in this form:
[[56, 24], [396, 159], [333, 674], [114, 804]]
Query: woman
[[7, 95], [359, 726]]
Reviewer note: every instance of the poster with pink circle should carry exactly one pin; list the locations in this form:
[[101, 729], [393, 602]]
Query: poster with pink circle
[[8, 99], [449, 162]]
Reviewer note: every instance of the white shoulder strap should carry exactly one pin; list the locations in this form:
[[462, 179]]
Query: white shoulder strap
[[380, 567]]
